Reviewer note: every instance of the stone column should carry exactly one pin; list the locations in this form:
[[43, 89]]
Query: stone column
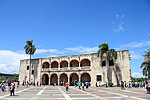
[[49, 64], [58, 81], [69, 80], [90, 64], [79, 66], [59, 64], [68, 63], [79, 63], [49, 81], [79, 78]]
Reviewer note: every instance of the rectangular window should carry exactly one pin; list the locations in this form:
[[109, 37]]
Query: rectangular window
[[111, 63], [27, 67], [104, 63], [32, 71], [99, 77]]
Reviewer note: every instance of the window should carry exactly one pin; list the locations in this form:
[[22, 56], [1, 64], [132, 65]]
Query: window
[[99, 77], [32, 71], [111, 63], [104, 63], [27, 67]]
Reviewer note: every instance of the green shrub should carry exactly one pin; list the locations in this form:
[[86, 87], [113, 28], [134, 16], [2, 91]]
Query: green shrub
[[110, 84]]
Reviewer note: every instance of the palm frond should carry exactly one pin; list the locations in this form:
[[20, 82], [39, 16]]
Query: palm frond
[[29, 48]]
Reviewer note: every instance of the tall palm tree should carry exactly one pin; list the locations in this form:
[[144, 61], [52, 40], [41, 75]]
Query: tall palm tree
[[146, 67], [146, 64], [30, 50], [111, 54]]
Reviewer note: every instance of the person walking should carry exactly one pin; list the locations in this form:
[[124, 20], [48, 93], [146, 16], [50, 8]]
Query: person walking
[[67, 85], [106, 84], [87, 85], [96, 84], [79, 85], [122, 85], [9, 84], [37, 83], [12, 90], [40, 83], [17, 84]]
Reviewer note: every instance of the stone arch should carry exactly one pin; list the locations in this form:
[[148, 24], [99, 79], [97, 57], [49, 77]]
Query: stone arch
[[85, 77], [54, 64], [85, 62], [63, 78], [45, 65], [74, 78], [74, 63], [45, 79], [54, 79], [63, 64]]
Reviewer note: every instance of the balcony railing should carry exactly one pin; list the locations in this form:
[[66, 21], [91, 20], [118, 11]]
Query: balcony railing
[[85, 67], [54, 69], [66, 68], [45, 69]]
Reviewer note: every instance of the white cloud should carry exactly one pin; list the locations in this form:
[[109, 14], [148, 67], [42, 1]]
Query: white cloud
[[136, 44], [137, 75], [136, 56], [82, 49], [120, 23], [39, 51], [9, 61]]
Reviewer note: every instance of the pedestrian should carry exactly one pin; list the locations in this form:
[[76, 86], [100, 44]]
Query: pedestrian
[[129, 84], [9, 84], [87, 84], [79, 85], [3, 87], [24, 83], [96, 84], [27, 83], [37, 83], [12, 90], [40, 83], [34, 83], [106, 84], [99, 84], [122, 85], [17, 84], [67, 85]]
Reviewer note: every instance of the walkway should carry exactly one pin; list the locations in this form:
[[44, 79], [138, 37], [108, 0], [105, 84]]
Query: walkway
[[55, 93]]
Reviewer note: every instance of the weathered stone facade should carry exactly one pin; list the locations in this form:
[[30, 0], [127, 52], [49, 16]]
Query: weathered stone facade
[[84, 68]]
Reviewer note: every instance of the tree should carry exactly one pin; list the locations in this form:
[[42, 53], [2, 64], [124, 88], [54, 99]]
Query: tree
[[30, 50], [111, 54], [146, 64]]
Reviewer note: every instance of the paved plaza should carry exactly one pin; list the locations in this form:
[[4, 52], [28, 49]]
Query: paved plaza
[[59, 93]]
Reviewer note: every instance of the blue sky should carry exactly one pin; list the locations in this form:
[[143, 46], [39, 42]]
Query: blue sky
[[66, 27]]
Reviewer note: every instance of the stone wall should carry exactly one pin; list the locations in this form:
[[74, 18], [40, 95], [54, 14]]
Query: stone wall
[[120, 71]]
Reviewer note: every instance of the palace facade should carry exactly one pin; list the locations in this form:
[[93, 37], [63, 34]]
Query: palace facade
[[75, 68]]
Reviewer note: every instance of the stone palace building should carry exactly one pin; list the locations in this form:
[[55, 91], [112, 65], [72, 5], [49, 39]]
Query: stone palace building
[[74, 68]]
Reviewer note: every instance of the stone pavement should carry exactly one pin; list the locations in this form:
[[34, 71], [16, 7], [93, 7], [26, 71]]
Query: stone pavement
[[59, 93]]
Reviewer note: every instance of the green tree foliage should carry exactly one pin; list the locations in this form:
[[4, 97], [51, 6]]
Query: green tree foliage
[[111, 54], [146, 64]]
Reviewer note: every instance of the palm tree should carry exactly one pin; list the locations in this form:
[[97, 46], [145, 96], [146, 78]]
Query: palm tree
[[111, 54], [146, 67], [30, 50], [146, 64]]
